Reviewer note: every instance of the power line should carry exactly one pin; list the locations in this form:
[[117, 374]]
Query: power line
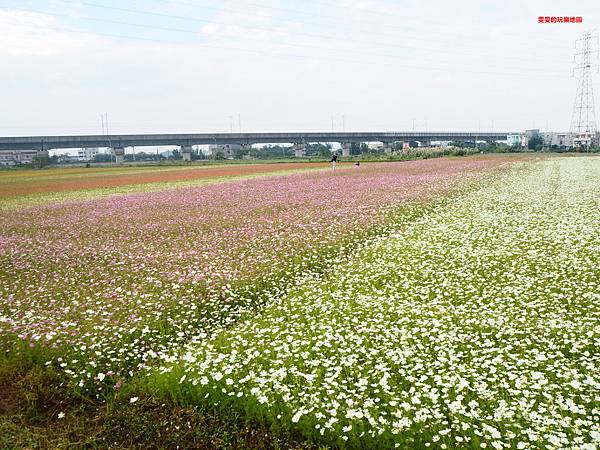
[[385, 14], [272, 30], [263, 53]]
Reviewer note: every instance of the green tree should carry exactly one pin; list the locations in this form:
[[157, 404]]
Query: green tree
[[240, 152], [318, 149], [40, 160], [536, 143], [355, 148], [325, 150], [103, 158], [198, 155]]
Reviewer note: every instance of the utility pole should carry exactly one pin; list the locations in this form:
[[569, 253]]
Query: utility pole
[[105, 129], [583, 122]]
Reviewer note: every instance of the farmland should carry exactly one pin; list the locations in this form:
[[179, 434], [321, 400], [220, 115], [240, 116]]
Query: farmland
[[190, 259], [26, 187], [441, 303]]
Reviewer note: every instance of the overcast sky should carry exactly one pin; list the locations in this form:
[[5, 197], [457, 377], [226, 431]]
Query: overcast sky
[[199, 65]]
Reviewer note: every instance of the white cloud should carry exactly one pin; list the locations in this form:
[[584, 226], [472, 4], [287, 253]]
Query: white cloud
[[32, 34], [211, 28]]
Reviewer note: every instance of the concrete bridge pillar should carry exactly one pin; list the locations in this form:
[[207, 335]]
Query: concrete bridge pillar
[[119, 154], [186, 152], [299, 149], [387, 147], [346, 146]]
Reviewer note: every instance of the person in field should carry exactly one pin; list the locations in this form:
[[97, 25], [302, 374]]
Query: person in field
[[334, 159]]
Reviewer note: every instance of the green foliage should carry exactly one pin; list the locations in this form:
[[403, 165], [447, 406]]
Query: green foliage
[[274, 151], [33, 399], [139, 156], [40, 160], [536, 143], [104, 158], [37, 410], [159, 422]]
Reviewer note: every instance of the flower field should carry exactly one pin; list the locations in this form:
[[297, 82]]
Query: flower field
[[28, 187], [475, 324], [105, 288]]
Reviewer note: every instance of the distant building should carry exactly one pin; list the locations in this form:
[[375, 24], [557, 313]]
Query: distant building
[[586, 139], [87, 154], [12, 157], [513, 140], [561, 140]]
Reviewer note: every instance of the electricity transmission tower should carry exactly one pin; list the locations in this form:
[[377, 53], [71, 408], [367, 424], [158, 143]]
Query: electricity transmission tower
[[583, 121]]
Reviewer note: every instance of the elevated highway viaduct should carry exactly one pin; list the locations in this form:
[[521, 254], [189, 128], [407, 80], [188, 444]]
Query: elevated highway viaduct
[[118, 142]]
